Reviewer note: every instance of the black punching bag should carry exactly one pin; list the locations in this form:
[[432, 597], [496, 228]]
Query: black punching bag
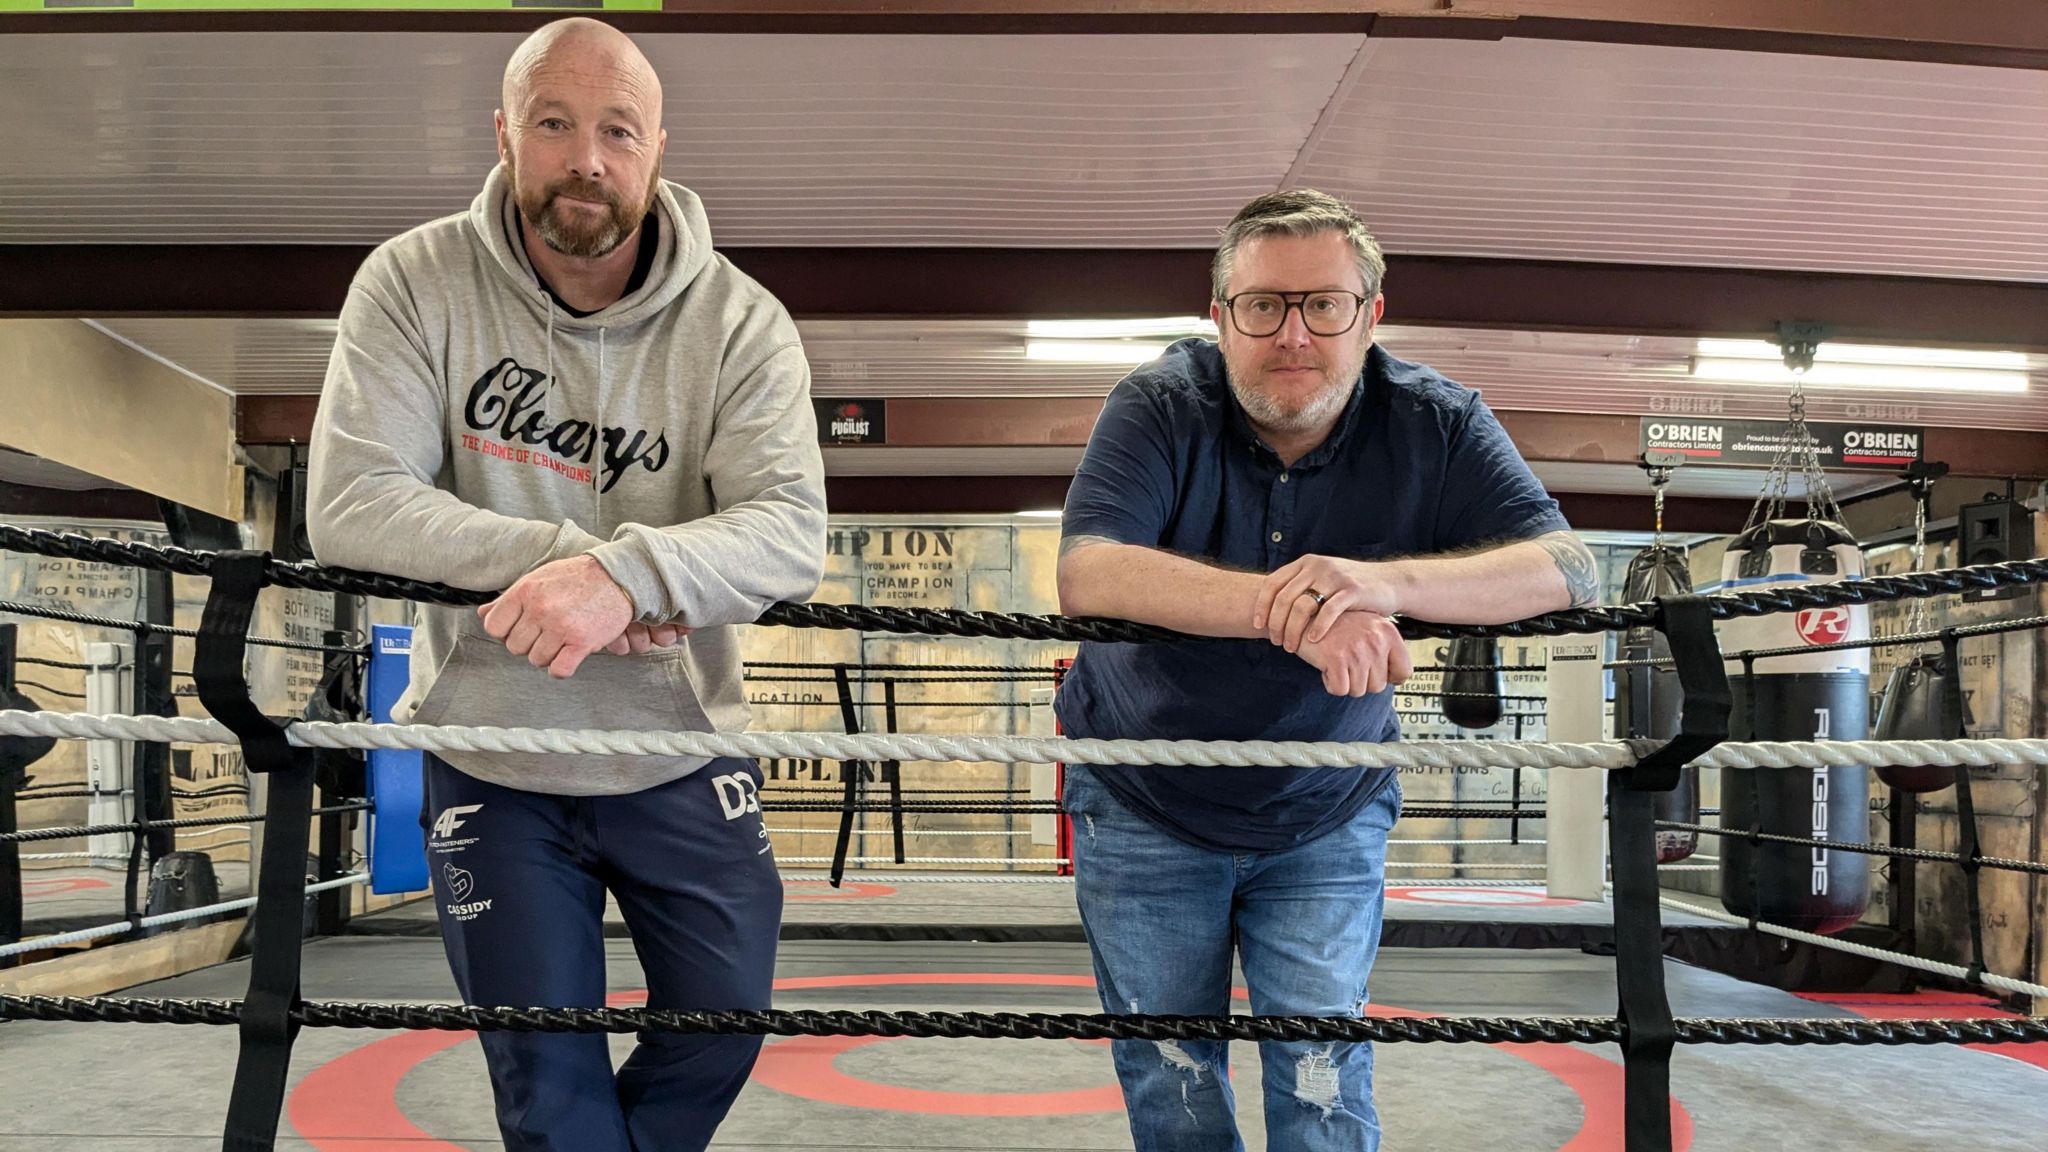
[[1647, 698], [1810, 696], [1472, 698], [1910, 709]]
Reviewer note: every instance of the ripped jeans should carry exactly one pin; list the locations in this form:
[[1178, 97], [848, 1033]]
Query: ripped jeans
[[1162, 916]]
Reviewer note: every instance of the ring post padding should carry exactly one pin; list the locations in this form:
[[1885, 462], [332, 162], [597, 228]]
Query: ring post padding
[[1575, 856], [398, 849]]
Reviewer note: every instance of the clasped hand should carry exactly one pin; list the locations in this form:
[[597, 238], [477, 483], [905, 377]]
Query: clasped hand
[[1348, 635], [561, 612]]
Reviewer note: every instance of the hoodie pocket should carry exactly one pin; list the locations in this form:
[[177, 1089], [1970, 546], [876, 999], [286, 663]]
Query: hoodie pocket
[[483, 685]]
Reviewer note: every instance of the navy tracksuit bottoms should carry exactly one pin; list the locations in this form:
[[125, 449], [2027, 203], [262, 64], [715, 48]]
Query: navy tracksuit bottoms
[[520, 880]]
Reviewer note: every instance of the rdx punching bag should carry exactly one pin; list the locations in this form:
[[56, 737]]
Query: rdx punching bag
[[1814, 696], [1647, 697]]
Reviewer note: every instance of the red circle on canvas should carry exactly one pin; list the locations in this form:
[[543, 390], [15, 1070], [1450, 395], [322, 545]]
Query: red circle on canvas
[[820, 890], [57, 885], [1425, 894]]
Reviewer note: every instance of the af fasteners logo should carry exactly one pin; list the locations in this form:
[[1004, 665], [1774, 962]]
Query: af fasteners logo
[[452, 818]]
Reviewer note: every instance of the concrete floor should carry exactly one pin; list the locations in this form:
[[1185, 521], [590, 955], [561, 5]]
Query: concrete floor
[[127, 1088]]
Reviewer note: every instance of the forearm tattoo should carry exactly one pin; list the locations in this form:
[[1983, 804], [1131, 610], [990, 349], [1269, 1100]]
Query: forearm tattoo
[[1575, 563]]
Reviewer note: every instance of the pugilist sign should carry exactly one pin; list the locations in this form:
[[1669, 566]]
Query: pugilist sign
[[1755, 443]]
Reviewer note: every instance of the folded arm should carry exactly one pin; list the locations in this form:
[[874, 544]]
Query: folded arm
[[1487, 585]]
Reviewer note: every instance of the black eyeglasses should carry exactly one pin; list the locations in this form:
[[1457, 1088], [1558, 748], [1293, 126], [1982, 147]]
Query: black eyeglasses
[[1325, 313]]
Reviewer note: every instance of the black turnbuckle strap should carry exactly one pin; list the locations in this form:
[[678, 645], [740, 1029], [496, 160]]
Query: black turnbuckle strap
[[852, 773], [1648, 1033], [1969, 849], [267, 1026]]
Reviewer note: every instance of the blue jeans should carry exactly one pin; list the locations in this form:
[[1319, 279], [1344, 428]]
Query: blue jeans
[[1162, 918], [520, 880]]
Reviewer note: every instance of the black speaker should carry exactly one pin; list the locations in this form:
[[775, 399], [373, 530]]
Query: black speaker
[[1992, 532], [289, 541]]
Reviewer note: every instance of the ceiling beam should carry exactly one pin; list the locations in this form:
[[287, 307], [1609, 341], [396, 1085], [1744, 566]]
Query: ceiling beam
[[115, 280], [1999, 33], [1012, 422]]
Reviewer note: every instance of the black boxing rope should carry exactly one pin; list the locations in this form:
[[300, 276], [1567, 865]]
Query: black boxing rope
[[1032, 1025], [1001, 626], [142, 627], [32, 835]]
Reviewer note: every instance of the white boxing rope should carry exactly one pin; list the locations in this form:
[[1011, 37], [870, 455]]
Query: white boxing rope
[[87, 935], [1464, 864], [1955, 971], [833, 831], [865, 877], [950, 860], [1455, 843], [1033, 750]]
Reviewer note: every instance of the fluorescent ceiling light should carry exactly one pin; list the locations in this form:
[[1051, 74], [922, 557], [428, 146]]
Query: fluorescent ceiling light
[[1043, 513], [1862, 376], [1892, 356], [1093, 352], [1120, 329]]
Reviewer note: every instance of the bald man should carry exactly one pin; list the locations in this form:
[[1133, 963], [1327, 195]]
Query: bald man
[[566, 394]]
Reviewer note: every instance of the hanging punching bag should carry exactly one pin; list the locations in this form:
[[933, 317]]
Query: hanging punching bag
[[1647, 698], [1814, 696], [1472, 697], [1910, 709]]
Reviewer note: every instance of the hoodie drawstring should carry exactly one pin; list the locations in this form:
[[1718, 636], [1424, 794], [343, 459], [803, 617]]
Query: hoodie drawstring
[[549, 305], [600, 395]]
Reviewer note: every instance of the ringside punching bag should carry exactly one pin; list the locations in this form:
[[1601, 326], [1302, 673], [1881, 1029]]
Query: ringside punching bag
[[1814, 696], [1910, 709], [1472, 697], [1647, 698]]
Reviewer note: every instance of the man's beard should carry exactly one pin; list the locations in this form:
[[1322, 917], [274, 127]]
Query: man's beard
[[1273, 415], [578, 233]]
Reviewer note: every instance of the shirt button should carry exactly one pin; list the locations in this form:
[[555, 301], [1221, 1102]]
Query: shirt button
[[1276, 537], [1283, 477]]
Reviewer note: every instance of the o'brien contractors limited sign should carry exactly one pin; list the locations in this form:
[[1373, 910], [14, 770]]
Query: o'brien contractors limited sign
[[851, 421], [1755, 443]]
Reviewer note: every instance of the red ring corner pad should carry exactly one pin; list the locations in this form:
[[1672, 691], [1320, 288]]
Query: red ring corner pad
[[350, 1103]]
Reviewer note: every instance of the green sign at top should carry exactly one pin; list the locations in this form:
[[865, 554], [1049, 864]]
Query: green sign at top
[[329, 6]]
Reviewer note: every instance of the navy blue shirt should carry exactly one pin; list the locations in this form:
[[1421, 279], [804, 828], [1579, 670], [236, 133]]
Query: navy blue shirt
[[1415, 465]]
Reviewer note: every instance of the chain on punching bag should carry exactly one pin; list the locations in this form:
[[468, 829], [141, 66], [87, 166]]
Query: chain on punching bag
[[1472, 688], [1811, 696], [1910, 706]]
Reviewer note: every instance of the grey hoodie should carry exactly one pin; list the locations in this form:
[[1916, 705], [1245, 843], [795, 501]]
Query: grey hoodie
[[470, 431]]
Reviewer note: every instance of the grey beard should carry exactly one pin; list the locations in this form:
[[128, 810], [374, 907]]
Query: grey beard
[[1267, 414], [587, 245]]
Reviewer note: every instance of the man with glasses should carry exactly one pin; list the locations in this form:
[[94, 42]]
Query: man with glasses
[[1290, 488]]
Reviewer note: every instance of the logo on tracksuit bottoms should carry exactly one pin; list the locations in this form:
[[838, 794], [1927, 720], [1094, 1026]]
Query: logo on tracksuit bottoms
[[460, 885], [739, 796], [457, 884]]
